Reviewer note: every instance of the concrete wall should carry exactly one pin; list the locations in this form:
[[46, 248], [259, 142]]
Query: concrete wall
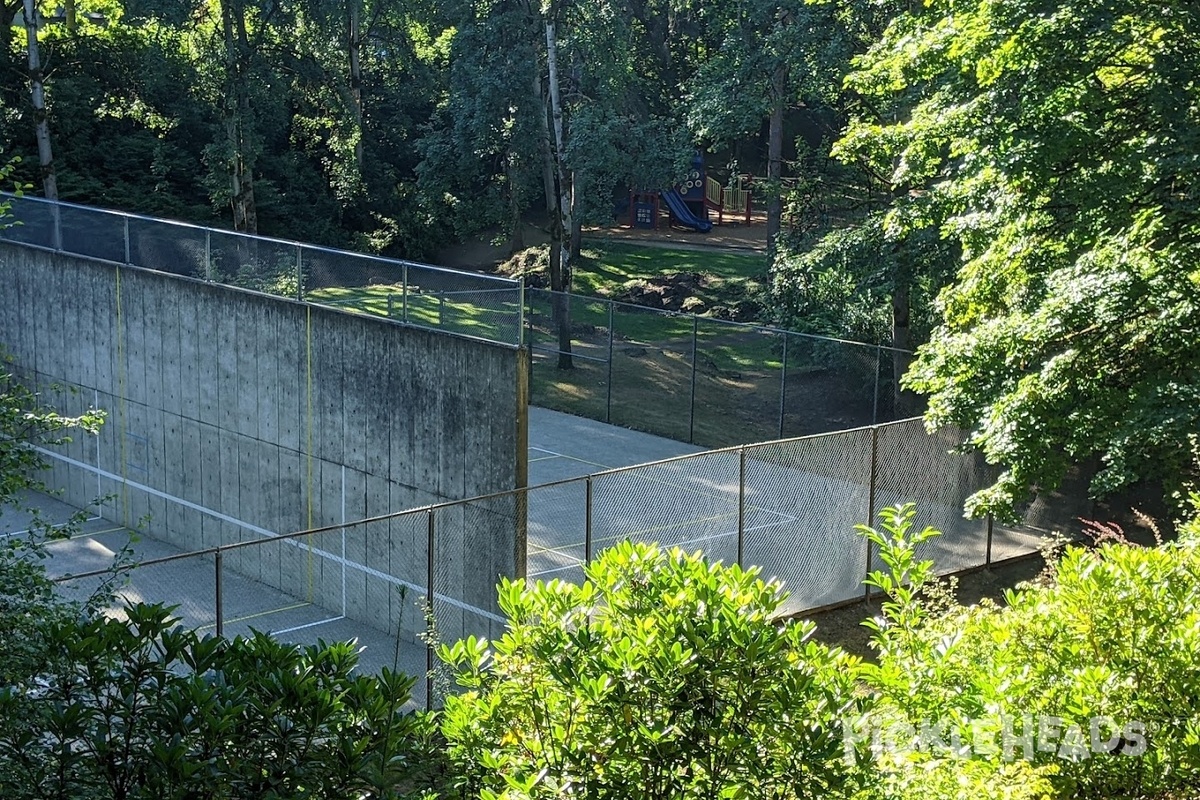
[[234, 416]]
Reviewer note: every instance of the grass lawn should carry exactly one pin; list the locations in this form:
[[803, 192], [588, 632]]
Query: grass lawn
[[603, 271], [494, 316], [606, 268]]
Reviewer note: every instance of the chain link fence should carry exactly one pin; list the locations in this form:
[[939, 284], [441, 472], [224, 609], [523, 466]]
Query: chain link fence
[[701, 380], [694, 379], [473, 304], [790, 507], [399, 581], [398, 584]]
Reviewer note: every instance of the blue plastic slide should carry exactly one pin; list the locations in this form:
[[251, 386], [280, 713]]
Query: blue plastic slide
[[684, 214]]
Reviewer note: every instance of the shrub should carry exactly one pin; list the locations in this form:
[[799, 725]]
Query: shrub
[[144, 709], [1113, 641], [661, 676]]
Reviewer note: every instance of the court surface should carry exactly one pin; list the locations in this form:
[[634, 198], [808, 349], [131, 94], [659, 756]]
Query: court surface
[[564, 446], [796, 524], [189, 584]]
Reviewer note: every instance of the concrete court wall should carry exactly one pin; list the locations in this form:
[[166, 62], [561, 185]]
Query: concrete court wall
[[234, 415]]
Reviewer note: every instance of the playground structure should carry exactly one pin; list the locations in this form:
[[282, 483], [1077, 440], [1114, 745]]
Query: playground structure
[[689, 203], [734, 200]]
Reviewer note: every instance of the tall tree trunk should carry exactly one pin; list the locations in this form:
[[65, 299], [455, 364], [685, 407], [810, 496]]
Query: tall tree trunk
[[516, 233], [45, 154], [547, 149], [72, 17], [237, 116], [576, 220], [775, 159], [355, 36], [560, 250]]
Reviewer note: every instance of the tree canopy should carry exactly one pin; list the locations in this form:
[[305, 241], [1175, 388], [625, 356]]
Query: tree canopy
[[1059, 142], [1034, 161]]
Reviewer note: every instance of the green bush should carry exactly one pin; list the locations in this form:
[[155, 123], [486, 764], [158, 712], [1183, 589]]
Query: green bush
[[661, 676], [144, 709], [1102, 660]]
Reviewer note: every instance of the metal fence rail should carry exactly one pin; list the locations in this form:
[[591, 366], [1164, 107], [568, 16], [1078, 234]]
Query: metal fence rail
[[786, 506], [484, 306], [702, 380]]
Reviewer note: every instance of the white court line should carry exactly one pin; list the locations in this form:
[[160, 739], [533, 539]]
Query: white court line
[[307, 625], [270, 535], [54, 527], [784, 518], [554, 454]]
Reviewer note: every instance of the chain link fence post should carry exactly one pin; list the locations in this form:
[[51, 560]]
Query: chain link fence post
[[429, 532], [218, 590], [529, 367], [128, 249], [871, 504], [609, 382], [521, 312], [878, 366], [404, 294], [783, 385], [587, 522], [692, 400], [208, 270], [987, 561], [56, 212], [741, 529], [300, 273]]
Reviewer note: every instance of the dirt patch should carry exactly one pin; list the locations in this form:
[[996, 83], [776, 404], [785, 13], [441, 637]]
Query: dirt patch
[[730, 234], [486, 251], [676, 291]]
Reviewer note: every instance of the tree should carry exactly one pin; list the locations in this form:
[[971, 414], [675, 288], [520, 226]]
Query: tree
[[38, 92], [1057, 140], [486, 147], [767, 56], [565, 77]]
